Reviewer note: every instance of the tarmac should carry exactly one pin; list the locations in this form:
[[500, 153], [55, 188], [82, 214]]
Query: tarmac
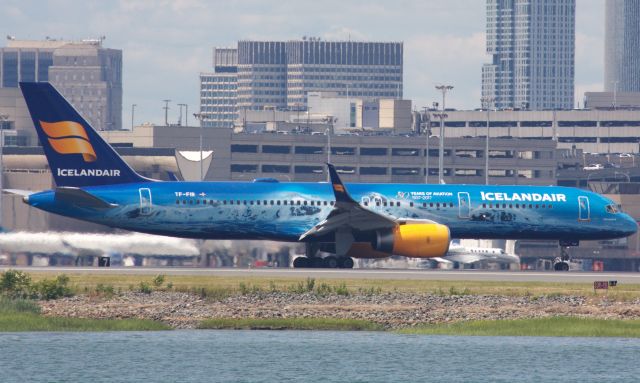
[[389, 274]]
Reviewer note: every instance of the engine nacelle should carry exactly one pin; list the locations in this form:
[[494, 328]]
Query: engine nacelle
[[416, 240]]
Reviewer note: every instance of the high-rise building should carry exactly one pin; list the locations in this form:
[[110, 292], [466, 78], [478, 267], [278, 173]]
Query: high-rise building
[[279, 75], [219, 90], [622, 46], [532, 48], [87, 74]]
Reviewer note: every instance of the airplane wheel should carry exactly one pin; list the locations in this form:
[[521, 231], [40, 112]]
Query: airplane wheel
[[301, 263], [347, 263], [330, 262], [316, 262], [561, 266]]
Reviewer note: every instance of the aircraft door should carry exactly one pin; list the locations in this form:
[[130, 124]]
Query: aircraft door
[[464, 205], [145, 200], [584, 213]]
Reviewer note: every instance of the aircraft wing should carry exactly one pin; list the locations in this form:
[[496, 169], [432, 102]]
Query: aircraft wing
[[24, 193], [81, 198], [347, 213]]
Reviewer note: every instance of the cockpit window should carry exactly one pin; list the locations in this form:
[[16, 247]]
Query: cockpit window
[[612, 209]]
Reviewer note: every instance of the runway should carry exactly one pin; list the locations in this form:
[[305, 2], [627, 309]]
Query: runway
[[388, 274]]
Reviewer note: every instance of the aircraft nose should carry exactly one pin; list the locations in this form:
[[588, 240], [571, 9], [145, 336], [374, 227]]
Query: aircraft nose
[[629, 225]]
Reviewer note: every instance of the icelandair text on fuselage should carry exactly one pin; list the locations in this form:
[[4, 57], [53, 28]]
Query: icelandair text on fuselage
[[89, 172], [524, 197]]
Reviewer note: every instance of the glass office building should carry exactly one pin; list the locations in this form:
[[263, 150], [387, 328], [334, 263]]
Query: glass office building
[[622, 46], [86, 74], [279, 75], [532, 49]]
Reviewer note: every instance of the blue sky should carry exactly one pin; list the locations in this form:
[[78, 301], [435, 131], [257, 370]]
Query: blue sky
[[166, 44]]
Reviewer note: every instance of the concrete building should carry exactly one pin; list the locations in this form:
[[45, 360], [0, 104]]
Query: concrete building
[[280, 75], [593, 131], [612, 100], [358, 157], [355, 113], [87, 74], [532, 48], [622, 46], [219, 90]]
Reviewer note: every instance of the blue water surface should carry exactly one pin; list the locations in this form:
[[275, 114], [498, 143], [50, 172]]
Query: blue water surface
[[311, 356]]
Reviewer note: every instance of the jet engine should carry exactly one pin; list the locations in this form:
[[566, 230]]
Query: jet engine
[[416, 240]]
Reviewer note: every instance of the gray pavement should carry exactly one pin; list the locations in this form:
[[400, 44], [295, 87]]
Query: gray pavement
[[389, 274]]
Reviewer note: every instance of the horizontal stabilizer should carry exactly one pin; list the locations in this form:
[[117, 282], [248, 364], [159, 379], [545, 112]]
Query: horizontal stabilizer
[[81, 198]]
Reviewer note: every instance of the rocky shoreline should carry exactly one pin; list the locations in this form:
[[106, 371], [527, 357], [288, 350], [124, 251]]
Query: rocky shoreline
[[391, 310]]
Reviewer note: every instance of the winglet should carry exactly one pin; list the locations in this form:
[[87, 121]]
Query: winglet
[[339, 190]]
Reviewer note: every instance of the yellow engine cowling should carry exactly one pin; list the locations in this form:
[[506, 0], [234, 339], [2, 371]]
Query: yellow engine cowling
[[416, 240]]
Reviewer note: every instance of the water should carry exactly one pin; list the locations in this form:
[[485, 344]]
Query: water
[[310, 356]]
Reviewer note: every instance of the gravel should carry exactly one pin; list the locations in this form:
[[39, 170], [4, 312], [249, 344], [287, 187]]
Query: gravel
[[392, 310]]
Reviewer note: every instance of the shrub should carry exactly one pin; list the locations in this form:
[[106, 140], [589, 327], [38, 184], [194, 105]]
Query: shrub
[[145, 288], [15, 284], [158, 281], [48, 289], [105, 290], [341, 289], [323, 290]]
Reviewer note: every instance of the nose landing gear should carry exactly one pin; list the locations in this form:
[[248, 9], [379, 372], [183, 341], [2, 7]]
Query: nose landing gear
[[562, 263]]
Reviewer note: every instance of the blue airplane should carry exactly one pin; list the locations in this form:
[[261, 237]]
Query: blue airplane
[[346, 220]]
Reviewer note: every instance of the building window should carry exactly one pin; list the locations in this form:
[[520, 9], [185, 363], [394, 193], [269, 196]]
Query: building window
[[244, 168]]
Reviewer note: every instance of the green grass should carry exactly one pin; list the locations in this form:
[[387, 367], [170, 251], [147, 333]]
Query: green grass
[[24, 315], [289, 324], [215, 287], [552, 326]]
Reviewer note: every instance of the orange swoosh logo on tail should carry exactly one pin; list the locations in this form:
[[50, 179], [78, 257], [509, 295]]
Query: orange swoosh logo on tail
[[68, 137]]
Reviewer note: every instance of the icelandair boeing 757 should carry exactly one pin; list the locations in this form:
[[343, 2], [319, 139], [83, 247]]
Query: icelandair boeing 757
[[348, 220]]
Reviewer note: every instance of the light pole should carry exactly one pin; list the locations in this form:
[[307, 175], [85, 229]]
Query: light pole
[[486, 103], [199, 117], [425, 131], [180, 121], [166, 112], [615, 94], [444, 89], [3, 119], [133, 113], [328, 133]]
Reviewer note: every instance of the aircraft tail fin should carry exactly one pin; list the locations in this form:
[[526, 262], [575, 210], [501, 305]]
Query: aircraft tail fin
[[76, 153]]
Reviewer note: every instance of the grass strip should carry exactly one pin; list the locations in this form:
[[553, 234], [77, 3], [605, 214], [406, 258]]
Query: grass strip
[[220, 287], [333, 324], [20, 321], [560, 326], [24, 315]]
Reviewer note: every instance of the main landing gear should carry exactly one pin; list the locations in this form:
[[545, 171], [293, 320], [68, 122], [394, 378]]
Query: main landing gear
[[330, 262], [562, 263]]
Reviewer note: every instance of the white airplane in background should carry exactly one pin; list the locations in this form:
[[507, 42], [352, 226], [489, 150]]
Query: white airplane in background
[[469, 255]]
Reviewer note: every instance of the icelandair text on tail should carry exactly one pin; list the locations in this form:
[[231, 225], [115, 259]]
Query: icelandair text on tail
[[89, 172]]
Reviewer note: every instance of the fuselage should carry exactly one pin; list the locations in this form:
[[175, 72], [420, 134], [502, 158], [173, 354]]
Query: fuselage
[[284, 211]]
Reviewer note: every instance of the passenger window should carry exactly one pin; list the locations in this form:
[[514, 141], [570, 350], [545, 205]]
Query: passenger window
[[278, 202], [177, 202], [410, 204]]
